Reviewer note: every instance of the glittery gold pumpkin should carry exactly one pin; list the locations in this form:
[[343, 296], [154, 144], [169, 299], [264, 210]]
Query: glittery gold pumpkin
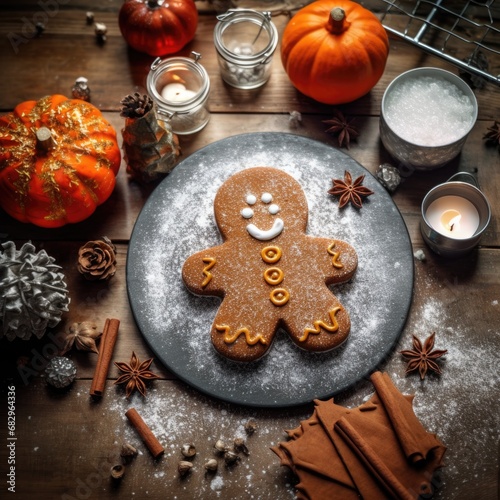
[[58, 161]]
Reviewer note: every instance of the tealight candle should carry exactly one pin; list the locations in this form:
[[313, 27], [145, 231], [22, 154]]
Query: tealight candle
[[176, 92], [454, 216]]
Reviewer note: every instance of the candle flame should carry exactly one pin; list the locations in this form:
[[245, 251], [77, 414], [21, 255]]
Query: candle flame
[[178, 79], [454, 221]]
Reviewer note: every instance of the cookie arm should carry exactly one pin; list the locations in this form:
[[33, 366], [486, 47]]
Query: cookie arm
[[200, 272], [337, 259]]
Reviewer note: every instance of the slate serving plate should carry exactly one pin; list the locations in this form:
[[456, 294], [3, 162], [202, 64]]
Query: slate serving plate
[[177, 220]]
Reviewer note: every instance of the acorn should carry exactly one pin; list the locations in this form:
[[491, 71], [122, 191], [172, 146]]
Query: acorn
[[184, 468], [117, 471], [211, 465], [220, 447], [240, 446], [250, 427], [128, 452], [188, 450], [231, 458], [100, 30]]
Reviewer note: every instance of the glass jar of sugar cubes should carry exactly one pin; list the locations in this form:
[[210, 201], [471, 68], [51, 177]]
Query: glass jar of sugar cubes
[[245, 41]]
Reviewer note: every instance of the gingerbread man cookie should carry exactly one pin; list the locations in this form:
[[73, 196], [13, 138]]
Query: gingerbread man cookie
[[268, 272]]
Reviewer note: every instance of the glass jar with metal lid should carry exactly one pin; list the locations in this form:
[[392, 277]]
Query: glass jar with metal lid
[[179, 87], [245, 41]]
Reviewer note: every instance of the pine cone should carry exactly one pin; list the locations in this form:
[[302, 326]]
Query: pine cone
[[136, 105], [97, 259], [33, 295]]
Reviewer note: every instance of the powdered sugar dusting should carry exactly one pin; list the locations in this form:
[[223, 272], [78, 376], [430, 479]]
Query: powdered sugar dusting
[[178, 221]]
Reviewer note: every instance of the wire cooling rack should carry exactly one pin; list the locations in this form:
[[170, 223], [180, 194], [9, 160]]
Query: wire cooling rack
[[464, 35]]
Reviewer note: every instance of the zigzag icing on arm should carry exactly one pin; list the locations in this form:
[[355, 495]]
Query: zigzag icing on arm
[[336, 256], [210, 261]]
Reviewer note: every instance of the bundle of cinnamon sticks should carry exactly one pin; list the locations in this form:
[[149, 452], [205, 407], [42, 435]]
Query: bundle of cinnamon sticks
[[378, 450]]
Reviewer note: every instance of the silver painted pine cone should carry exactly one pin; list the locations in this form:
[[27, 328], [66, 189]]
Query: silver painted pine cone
[[33, 294], [60, 372]]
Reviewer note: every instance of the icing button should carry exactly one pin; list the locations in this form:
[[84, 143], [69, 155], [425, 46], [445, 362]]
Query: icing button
[[279, 296], [273, 276], [271, 254]]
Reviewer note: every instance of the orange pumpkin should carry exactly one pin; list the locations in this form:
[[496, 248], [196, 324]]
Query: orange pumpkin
[[58, 161], [334, 51]]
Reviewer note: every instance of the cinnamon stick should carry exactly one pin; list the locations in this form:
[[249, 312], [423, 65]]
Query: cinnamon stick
[[109, 336], [145, 432], [415, 441], [369, 456]]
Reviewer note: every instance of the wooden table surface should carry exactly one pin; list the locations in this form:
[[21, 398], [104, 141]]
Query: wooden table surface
[[67, 442]]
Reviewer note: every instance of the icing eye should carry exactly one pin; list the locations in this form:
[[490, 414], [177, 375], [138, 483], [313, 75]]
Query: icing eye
[[247, 213], [273, 209], [251, 199], [266, 198]]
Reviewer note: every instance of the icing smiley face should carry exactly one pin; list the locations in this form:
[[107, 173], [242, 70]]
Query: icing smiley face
[[260, 207], [269, 273], [253, 230]]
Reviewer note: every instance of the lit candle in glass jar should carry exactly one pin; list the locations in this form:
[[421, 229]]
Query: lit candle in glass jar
[[176, 92], [453, 216], [179, 87]]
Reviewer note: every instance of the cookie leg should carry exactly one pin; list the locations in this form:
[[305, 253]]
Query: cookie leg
[[320, 328], [238, 338]]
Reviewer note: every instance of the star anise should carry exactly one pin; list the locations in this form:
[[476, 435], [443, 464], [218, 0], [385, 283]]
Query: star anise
[[134, 374], [422, 357], [342, 128], [492, 136], [350, 191]]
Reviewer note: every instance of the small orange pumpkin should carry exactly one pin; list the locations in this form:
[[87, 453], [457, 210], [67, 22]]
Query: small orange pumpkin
[[334, 51], [58, 161]]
